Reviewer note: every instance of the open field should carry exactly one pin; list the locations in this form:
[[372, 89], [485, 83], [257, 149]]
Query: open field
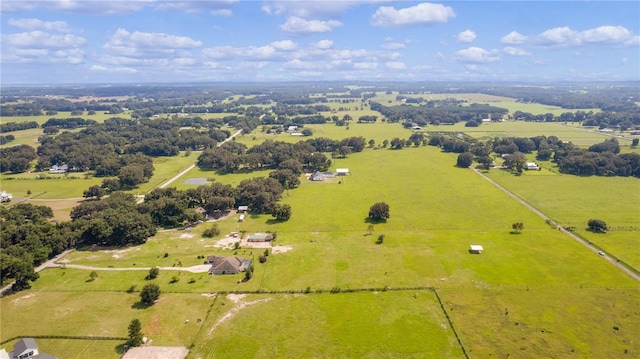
[[383, 324], [539, 285], [78, 349]]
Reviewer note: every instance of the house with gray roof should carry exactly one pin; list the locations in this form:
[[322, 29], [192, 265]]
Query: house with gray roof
[[25, 348], [227, 265]]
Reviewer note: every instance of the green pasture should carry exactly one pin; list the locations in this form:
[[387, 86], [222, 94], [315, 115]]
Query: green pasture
[[26, 137], [79, 349], [573, 200], [165, 168], [103, 313], [100, 116], [574, 133], [55, 186], [546, 321], [353, 325]]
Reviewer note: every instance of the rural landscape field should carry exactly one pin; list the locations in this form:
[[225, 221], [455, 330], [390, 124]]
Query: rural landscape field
[[335, 282]]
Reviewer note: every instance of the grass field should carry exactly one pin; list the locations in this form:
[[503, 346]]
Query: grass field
[[78, 349], [529, 295]]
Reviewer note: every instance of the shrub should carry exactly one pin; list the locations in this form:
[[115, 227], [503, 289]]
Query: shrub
[[153, 273], [211, 231], [150, 293], [597, 226]]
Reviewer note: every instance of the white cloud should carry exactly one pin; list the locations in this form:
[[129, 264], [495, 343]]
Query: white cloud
[[365, 65], [217, 7], [324, 44], [247, 53], [466, 36], [421, 14], [40, 39], [565, 37], [285, 45], [477, 55], [310, 9], [391, 45], [36, 24], [147, 44], [513, 38], [126, 70], [299, 26], [515, 51], [395, 65]]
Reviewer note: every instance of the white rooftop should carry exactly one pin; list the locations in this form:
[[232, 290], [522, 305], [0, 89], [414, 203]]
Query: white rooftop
[[476, 247]]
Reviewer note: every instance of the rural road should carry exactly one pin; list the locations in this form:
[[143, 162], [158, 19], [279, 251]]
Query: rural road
[[568, 233], [203, 268]]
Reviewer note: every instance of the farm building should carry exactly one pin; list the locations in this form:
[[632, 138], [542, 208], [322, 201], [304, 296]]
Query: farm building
[[227, 265], [342, 171], [476, 249], [260, 237], [241, 219], [5, 197], [243, 209], [292, 128], [531, 166], [317, 176]]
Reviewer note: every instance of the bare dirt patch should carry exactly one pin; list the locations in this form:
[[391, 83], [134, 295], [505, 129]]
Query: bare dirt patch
[[186, 235], [238, 299], [156, 353]]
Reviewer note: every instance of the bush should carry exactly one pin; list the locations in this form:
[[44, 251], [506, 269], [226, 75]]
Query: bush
[[597, 226], [211, 231], [380, 239], [150, 293], [153, 273]]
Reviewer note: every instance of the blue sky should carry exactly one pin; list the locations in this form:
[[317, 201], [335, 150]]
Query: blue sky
[[139, 41]]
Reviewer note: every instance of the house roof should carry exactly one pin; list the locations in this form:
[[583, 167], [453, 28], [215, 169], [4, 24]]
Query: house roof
[[243, 208], [476, 247], [259, 236], [23, 345], [226, 264], [342, 170]]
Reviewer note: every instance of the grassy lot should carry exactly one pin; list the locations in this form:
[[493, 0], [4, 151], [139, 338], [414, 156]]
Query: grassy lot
[[26, 137], [56, 186], [534, 321], [574, 200], [79, 349], [385, 324], [103, 314]]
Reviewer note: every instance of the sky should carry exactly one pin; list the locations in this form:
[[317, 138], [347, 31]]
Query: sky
[[153, 41]]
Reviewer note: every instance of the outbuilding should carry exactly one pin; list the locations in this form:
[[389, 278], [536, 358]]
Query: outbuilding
[[476, 249], [342, 171]]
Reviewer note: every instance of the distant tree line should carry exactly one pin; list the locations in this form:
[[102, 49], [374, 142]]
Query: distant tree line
[[437, 114]]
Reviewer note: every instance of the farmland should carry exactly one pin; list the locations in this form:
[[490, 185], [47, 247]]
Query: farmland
[[420, 293]]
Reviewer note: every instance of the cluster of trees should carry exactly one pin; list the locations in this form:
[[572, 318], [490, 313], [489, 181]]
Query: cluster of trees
[[602, 159], [17, 126], [232, 157], [622, 120], [17, 159], [438, 113], [28, 238], [6, 139]]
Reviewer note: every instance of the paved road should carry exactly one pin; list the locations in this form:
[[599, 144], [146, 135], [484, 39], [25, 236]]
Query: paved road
[[568, 233]]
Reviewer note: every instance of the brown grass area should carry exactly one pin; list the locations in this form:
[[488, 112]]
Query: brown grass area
[[61, 207]]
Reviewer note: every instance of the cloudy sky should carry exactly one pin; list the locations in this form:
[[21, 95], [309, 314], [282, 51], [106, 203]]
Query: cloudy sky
[[134, 41]]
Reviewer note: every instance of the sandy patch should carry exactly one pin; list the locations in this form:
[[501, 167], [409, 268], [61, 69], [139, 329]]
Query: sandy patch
[[280, 249], [238, 299], [23, 297], [209, 295], [186, 235], [156, 353], [226, 242]]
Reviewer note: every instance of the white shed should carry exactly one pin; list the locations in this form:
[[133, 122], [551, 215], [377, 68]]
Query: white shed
[[476, 249]]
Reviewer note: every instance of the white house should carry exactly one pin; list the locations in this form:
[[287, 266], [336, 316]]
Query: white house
[[59, 169]]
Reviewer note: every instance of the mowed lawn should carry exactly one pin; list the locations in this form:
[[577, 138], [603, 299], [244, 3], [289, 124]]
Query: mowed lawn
[[78, 349], [345, 325]]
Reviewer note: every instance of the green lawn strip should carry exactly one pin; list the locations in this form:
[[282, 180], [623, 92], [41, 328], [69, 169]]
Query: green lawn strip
[[77, 280], [56, 187], [78, 348], [574, 200], [344, 325], [546, 321], [87, 313]]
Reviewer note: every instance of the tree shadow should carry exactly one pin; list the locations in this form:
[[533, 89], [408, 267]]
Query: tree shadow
[[370, 220], [120, 348], [273, 221], [515, 232], [140, 305]]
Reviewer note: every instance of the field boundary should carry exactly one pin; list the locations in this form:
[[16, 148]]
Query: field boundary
[[453, 328]]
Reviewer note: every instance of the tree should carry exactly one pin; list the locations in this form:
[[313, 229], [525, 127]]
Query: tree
[[380, 239], [307, 132], [153, 273], [211, 231], [135, 333], [379, 212], [95, 191], [517, 227], [150, 293], [635, 142], [281, 212], [464, 160], [597, 226], [93, 275]]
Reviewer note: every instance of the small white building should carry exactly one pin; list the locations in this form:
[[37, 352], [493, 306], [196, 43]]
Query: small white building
[[476, 249], [531, 166], [5, 197], [342, 171], [59, 169], [241, 219]]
